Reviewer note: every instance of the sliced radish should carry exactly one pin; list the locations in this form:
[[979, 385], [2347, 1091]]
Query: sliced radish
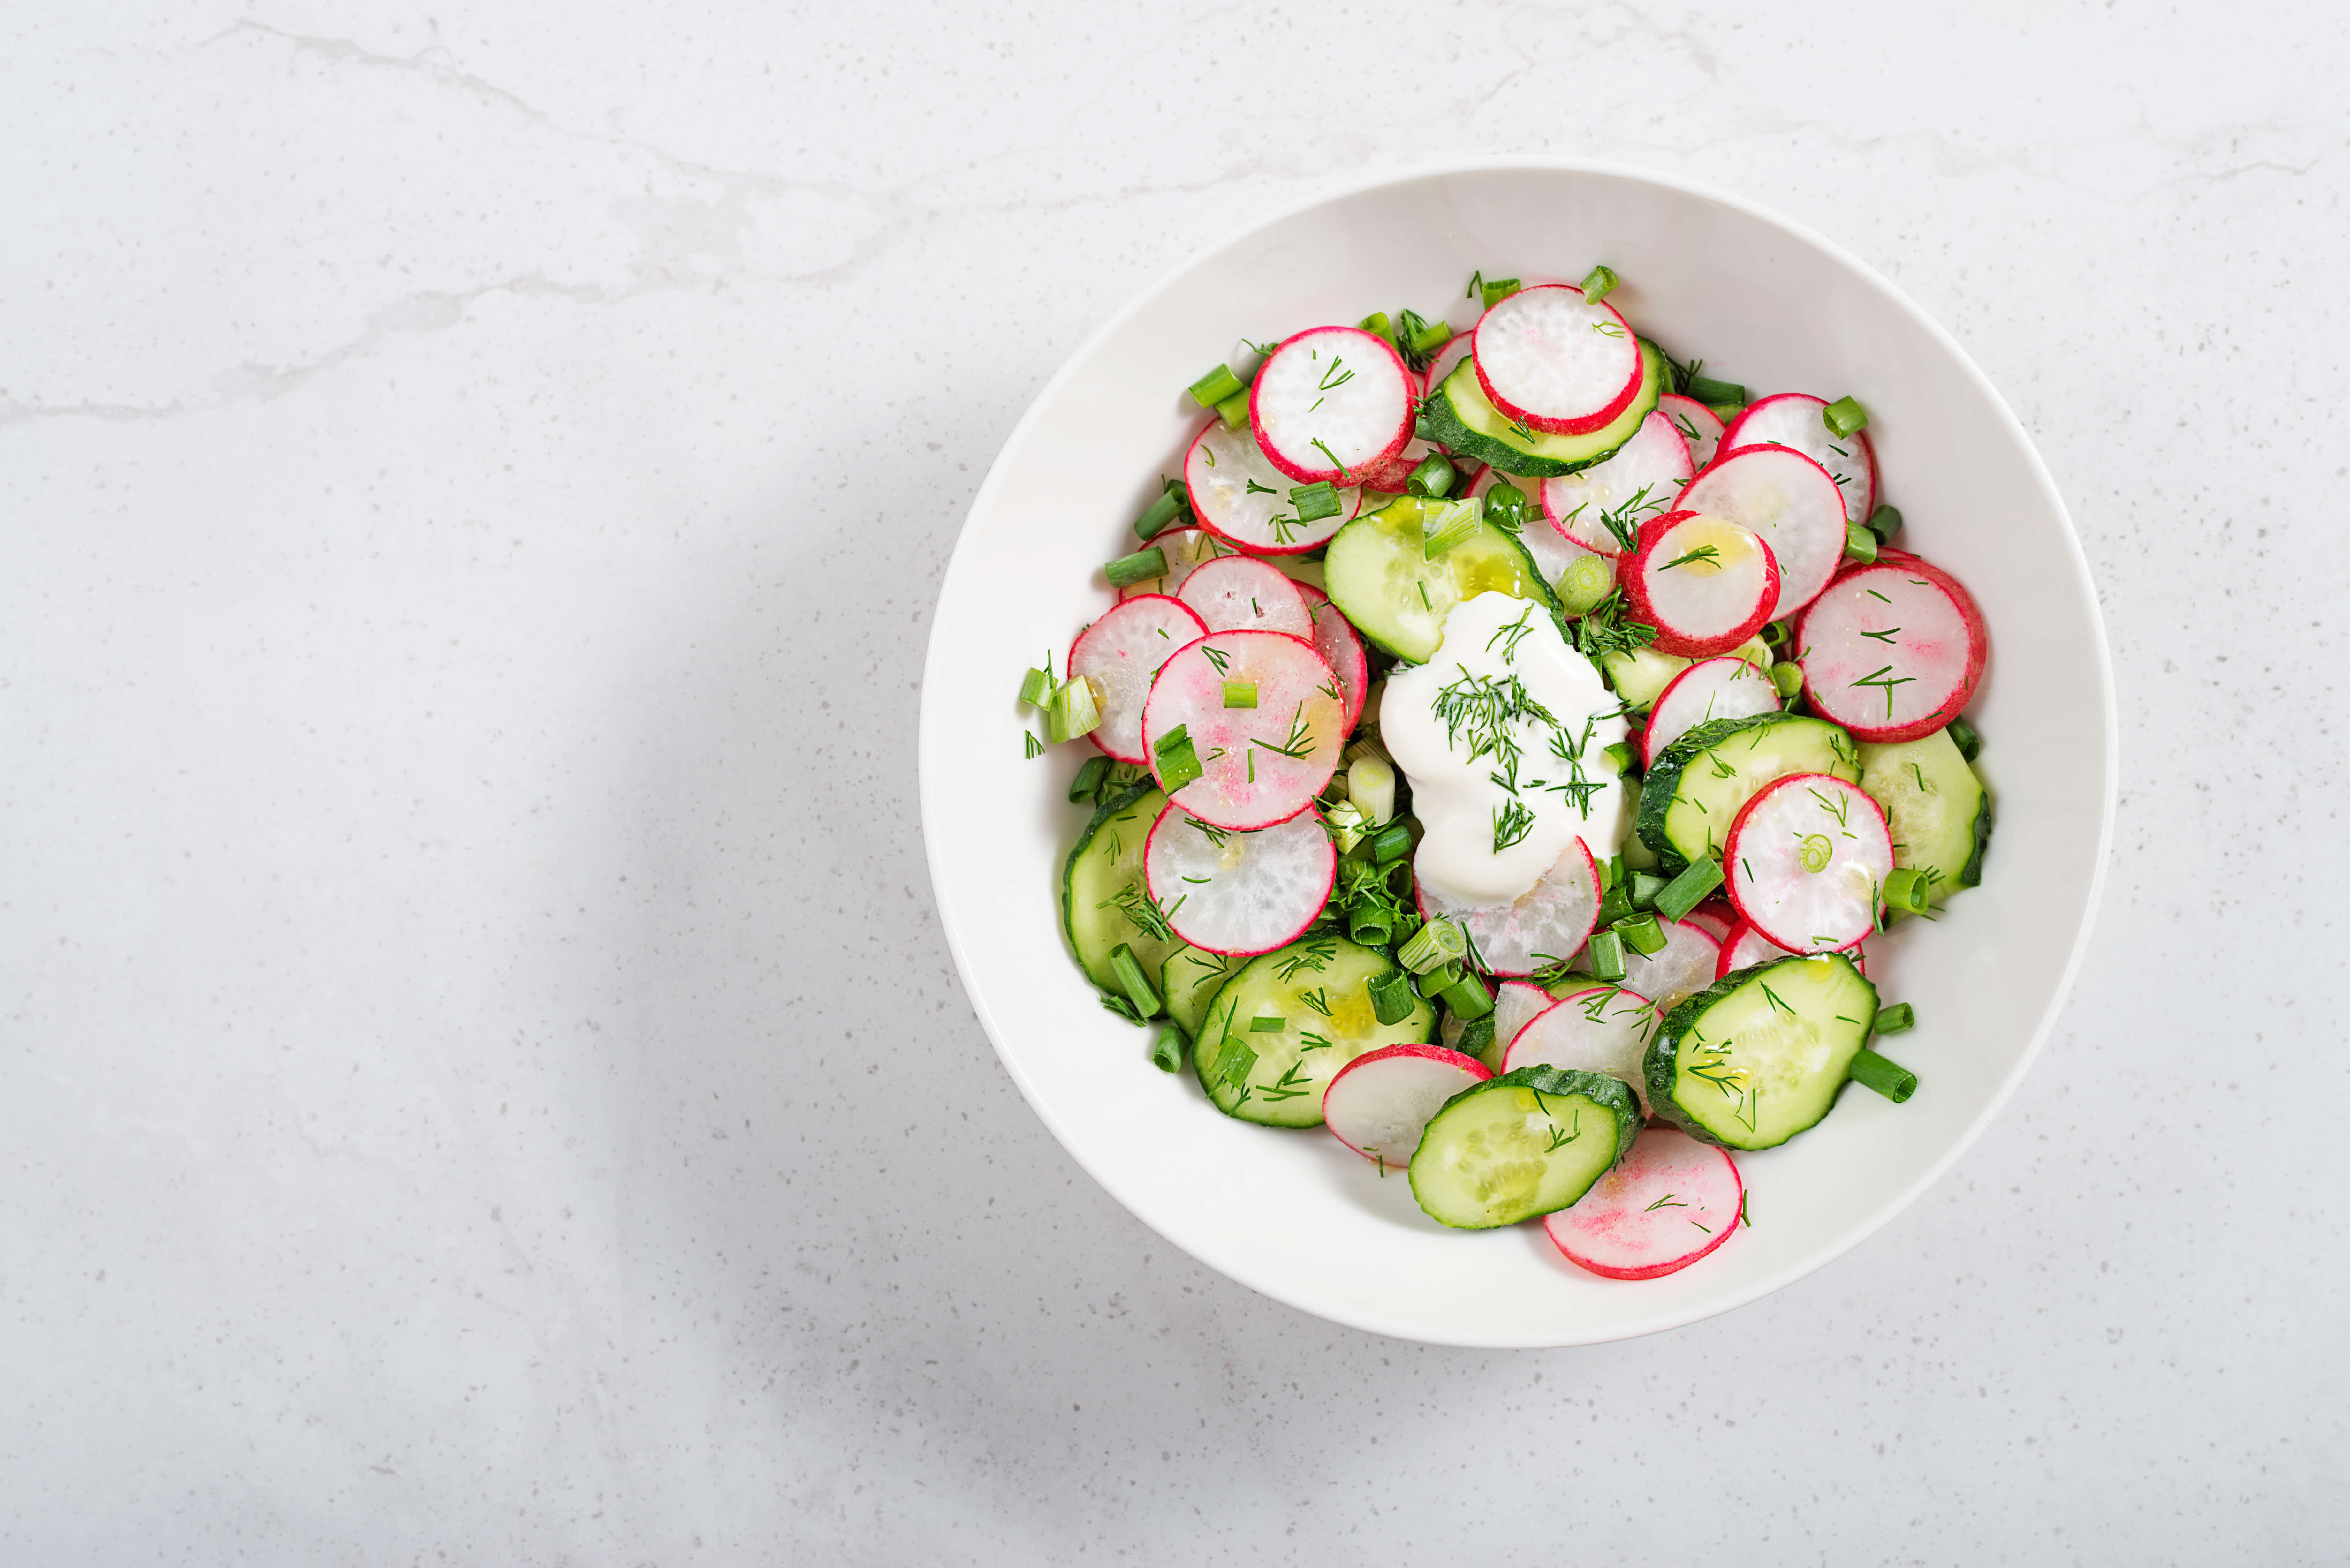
[[1791, 502], [1892, 651], [1121, 653], [1230, 892], [1187, 550], [1715, 919], [1635, 484], [1330, 402], [1669, 1203], [1797, 420], [1552, 358], [1684, 966], [1552, 554], [1807, 861], [1379, 1103], [1743, 947], [1599, 1029], [1245, 500], [1341, 648], [1240, 593], [1548, 923], [1710, 690], [1705, 584], [1516, 1003], [1258, 765], [1699, 426], [1447, 359]]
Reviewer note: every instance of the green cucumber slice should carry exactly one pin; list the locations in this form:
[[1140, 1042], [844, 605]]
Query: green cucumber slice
[[1101, 890], [1274, 1075], [1459, 416], [1697, 787], [1755, 1058], [1190, 982], [1937, 808], [1375, 574], [1640, 676], [1526, 1144]]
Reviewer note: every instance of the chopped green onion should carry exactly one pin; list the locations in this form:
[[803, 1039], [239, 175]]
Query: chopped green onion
[[1447, 524], [1033, 747], [1725, 412], [1178, 760], [1436, 942], [1434, 476], [1588, 579], [1315, 502], [1506, 508], [1646, 885], [1234, 410], [1893, 1020], [1076, 710], [1476, 1036], [1843, 416], [1603, 956], [1891, 1079], [1885, 522], [1392, 999], [1611, 871], [1908, 890], [1642, 933], [1036, 687], [1860, 544], [1622, 756], [1345, 821], [1216, 386], [1599, 283], [1371, 928], [1776, 633], [1787, 678], [1267, 1024], [1166, 1051], [1493, 289], [1614, 902], [1421, 335], [1468, 997], [1391, 843], [1440, 978], [1239, 693], [1162, 513], [1688, 890], [1963, 736], [1378, 325], [1128, 969], [1089, 777], [1371, 784], [1710, 392], [1234, 1061], [1138, 568]]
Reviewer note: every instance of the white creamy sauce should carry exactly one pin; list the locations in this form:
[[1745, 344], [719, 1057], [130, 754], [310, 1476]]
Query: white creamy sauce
[[1453, 724]]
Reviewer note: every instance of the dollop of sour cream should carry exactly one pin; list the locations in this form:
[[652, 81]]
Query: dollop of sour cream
[[1503, 735]]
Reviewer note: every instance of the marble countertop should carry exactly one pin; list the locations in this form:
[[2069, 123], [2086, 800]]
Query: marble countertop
[[475, 491]]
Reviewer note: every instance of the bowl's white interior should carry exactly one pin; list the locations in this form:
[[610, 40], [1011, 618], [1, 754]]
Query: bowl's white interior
[[1294, 1214]]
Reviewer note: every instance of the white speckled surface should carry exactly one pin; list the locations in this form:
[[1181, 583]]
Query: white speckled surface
[[485, 1083]]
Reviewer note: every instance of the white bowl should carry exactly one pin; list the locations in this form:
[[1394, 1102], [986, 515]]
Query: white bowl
[[1295, 1214]]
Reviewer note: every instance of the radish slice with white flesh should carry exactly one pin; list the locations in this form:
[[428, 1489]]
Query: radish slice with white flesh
[[1715, 919], [1635, 484], [1552, 554], [1516, 1003], [1799, 420], [1710, 690], [1239, 593], [1121, 654], [1187, 550], [1892, 651], [1699, 426], [1257, 765], [1244, 893], [1807, 861], [1787, 499], [1669, 1201], [1379, 1103], [1599, 1029], [1684, 966], [1705, 584], [1551, 358], [1547, 924], [1243, 499], [1743, 947], [1341, 648], [1329, 403], [1442, 363]]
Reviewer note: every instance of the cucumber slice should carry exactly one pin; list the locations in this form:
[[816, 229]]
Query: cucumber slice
[[1690, 797], [1459, 417], [1190, 982], [1380, 578], [1280, 1029], [1937, 808], [1641, 676], [1755, 1058], [1102, 892], [1526, 1144]]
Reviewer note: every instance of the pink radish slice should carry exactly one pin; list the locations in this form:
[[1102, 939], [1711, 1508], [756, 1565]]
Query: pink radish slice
[[1699, 425], [1121, 653], [1638, 483], [1238, 892], [1787, 499], [1245, 500], [1681, 969], [1706, 585], [1807, 861], [1187, 550], [1551, 358], [1892, 651], [1552, 554], [1341, 648], [1743, 947], [1330, 402], [1445, 360], [1239, 593], [1710, 690], [1380, 1103], [1516, 1003], [1599, 1029], [1548, 924], [1715, 919], [1796, 420], [1669, 1203], [1258, 765]]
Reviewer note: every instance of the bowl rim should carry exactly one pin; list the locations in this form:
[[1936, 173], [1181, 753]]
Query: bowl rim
[[931, 774]]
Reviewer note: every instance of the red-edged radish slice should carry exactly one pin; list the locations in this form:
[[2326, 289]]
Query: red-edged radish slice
[[1243, 499], [1330, 402], [1743, 947], [1240, 593], [1187, 550], [1684, 966], [1669, 1203], [1446, 359], [1257, 765], [1892, 651], [1807, 861], [1548, 924], [1715, 919], [1121, 653], [1242, 893], [1552, 358], [1705, 584], [1379, 1103], [1699, 426], [1789, 500], [1638, 483], [1552, 554], [1797, 420], [1710, 690], [1516, 1003], [1599, 1029], [1341, 648]]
